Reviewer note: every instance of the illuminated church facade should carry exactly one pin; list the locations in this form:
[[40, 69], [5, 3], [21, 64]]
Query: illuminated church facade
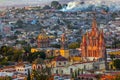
[[93, 44]]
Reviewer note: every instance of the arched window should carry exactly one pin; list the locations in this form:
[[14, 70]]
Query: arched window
[[56, 71], [59, 63], [38, 67], [71, 70], [34, 67], [84, 67], [64, 62], [61, 71]]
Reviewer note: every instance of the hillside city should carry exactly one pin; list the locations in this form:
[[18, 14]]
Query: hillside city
[[46, 43]]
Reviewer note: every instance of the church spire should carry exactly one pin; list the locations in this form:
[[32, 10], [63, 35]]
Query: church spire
[[63, 41], [94, 23], [94, 27]]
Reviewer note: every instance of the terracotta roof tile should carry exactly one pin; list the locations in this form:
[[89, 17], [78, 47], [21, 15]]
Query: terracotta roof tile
[[60, 58]]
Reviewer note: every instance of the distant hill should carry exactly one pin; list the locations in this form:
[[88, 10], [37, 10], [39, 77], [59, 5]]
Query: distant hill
[[66, 1]]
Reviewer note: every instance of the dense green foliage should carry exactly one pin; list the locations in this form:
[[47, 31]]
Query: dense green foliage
[[6, 78], [11, 54], [43, 74], [28, 77], [112, 56], [74, 45], [55, 45], [117, 64], [56, 5], [116, 43]]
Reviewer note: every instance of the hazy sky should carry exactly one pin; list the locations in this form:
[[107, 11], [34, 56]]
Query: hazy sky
[[42, 2], [20, 2]]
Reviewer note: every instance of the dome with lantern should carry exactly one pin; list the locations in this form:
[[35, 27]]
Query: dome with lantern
[[43, 40], [42, 36]]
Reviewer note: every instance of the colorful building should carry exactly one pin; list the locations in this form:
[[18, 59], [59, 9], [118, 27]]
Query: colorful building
[[43, 41], [93, 45]]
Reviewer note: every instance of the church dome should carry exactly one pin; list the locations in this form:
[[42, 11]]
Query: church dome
[[42, 37], [43, 40]]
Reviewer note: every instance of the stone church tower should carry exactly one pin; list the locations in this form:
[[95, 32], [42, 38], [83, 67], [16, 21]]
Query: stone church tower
[[63, 41], [93, 44]]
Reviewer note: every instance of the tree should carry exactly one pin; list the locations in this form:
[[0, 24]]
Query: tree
[[64, 5], [73, 45], [79, 72], [6, 78], [10, 54], [76, 73], [117, 63], [27, 48], [73, 75], [117, 77], [28, 77], [82, 71], [19, 23], [55, 45], [112, 56], [35, 55], [56, 5], [46, 7], [43, 74]]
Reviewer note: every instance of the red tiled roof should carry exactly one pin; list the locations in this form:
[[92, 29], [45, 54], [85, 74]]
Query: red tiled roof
[[87, 75], [60, 58], [6, 67], [20, 64]]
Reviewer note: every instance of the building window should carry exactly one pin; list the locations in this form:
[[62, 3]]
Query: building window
[[59, 63], [34, 67], [84, 67], [38, 67], [61, 71], [56, 71], [71, 70], [64, 62]]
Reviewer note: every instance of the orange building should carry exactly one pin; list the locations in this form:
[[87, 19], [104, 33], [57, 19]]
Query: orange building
[[93, 45]]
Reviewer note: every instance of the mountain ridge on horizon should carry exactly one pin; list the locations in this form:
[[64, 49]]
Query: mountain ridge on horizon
[[9, 3]]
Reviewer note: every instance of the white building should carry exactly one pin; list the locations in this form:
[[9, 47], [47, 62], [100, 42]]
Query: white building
[[68, 69], [23, 68]]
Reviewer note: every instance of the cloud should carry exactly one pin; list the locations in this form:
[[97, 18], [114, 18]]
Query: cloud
[[113, 5]]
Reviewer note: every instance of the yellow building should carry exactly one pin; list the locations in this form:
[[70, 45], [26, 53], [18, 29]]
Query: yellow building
[[76, 59], [34, 50], [111, 65], [65, 53], [115, 52]]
